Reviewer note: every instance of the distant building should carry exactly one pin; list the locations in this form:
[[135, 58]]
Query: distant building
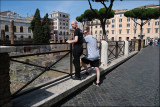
[[61, 24], [22, 29], [122, 28]]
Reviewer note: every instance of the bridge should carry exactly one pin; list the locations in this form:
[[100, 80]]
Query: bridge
[[129, 77]]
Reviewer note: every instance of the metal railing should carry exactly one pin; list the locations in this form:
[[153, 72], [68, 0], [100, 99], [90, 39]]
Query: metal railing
[[115, 49], [44, 69]]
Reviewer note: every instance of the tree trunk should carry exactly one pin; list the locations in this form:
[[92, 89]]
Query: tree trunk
[[141, 37], [104, 31]]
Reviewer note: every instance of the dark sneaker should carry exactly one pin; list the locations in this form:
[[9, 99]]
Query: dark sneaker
[[76, 78], [96, 84], [87, 73]]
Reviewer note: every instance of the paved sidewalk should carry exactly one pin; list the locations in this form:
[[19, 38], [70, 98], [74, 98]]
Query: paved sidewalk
[[134, 83]]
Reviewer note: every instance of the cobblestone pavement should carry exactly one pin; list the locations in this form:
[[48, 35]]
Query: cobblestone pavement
[[134, 83]]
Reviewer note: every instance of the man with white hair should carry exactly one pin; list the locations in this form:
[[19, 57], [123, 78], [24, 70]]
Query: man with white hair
[[77, 49]]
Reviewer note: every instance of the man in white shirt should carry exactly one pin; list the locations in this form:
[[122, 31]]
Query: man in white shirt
[[92, 55]]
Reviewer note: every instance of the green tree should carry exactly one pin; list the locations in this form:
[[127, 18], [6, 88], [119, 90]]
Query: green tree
[[46, 29], [81, 19], [89, 15], [37, 28], [104, 13], [144, 14]]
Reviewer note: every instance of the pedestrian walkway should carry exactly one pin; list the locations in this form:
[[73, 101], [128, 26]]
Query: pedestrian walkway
[[134, 83]]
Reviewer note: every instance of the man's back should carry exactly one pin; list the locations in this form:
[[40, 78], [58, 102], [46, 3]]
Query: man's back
[[92, 50]]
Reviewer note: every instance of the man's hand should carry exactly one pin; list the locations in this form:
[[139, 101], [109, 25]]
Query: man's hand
[[68, 41]]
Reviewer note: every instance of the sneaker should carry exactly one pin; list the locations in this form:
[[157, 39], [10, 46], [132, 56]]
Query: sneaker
[[96, 84], [87, 73], [76, 78]]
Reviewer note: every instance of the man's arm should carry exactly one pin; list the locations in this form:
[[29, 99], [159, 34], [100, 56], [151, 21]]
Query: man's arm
[[73, 41]]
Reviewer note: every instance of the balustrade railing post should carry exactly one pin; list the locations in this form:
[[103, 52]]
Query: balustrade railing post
[[71, 60], [104, 53], [116, 49], [126, 48]]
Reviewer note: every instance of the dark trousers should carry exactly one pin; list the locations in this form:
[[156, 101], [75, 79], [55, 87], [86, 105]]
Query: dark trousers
[[77, 52]]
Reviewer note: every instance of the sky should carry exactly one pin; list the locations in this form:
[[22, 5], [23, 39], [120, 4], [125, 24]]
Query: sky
[[73, 7]]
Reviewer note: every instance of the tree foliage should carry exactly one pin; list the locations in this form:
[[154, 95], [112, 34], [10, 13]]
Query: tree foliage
[[104, 13], [37, 28], [46, 29], [144, 14], [41, 29]]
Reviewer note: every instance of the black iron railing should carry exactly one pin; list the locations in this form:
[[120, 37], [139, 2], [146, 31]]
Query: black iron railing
[[45, 69], [115, 49]]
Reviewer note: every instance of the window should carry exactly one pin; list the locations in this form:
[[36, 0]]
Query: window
[[120, 20], [21, 37], [100, 26], [95, 26], [21, 29], [127, 38], [120, 31], [15, 37], [63, 27], [120, 38], [148, 30], [6, 28], [120, 15], [95, 32], [149, 23], [100, 32], [157, 23], [29, 30], [112, 31], [120, 25], [135, 24], [60, 23], [112, 38], [107, 26], [113, 20], [29, 37], [7, 37], [60, 27], [60, 15], [128, 31], [128, 25], [128, 19], [156, 30], [14, 28], [112, 26], [134, 38], [63, 23]]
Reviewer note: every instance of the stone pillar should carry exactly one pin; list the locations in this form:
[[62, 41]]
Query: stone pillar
[[3, 36], [63, 39], [104, 53], [5, 94], [133, 44], [12, 31], [142, 43], [59, 40], [126, 49], [137, 44], [54, 39]]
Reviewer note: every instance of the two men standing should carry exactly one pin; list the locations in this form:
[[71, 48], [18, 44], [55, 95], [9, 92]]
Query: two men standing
[[92, 54]]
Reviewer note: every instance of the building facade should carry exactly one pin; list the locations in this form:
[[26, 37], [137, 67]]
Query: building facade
[[22, 29], [122, 28], [60, 24]]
